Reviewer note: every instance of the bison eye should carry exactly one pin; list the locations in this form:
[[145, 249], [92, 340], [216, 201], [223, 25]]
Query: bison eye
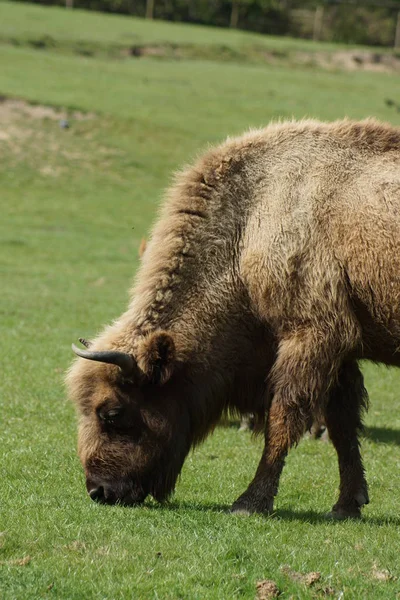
[[109, 415]]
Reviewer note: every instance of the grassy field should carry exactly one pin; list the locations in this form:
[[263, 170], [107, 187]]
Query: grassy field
[[88, 33], [74, 205]]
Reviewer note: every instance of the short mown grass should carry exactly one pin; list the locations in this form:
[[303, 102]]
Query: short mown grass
[[74, 205]]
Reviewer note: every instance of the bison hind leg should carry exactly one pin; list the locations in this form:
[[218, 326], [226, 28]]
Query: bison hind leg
[[347, 400], [308, 363]]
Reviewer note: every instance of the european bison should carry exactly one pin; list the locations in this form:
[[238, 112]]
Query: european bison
[[273, 268]]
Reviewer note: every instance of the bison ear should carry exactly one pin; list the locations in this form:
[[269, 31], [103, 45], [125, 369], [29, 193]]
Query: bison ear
[[156, 356]]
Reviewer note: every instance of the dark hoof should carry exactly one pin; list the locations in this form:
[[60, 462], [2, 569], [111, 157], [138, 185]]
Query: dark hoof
[[341, 513], [351, 509], [244, 506]]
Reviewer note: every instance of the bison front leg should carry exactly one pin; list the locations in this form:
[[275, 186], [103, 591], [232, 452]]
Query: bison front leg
[[300, 378], [343, 419], [285, 426]]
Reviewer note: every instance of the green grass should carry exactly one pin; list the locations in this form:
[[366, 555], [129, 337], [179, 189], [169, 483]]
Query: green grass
[[74, 206]]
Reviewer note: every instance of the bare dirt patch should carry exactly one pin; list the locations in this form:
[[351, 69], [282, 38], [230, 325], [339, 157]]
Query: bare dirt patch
[[354, 60], [15, 106], [37, 136], [381, 574], [20, 127], [345, 60]]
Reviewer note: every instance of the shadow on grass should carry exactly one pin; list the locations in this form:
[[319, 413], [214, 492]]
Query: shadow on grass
[[304, 516], [175, 505], [383, 434], [313, 517], [376, 434]]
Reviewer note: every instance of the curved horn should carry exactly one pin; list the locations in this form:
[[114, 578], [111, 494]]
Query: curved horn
[[113, 357]]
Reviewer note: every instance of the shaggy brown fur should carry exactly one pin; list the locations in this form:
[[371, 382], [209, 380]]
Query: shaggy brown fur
[[273, 268]]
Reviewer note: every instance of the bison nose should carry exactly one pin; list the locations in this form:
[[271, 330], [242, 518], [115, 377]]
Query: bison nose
[[97, 494]]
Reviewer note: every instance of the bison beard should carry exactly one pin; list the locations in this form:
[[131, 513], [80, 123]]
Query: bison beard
[[273, 269]]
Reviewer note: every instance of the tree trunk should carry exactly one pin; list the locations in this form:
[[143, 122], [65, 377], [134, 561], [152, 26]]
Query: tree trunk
[[191, 10], [317, 29], [397, 35], [234, 14], [149, 9]]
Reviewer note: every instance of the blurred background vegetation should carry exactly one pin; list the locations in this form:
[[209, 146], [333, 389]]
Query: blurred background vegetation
[[371, 22]]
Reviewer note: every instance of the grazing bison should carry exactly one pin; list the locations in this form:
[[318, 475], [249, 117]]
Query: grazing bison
[[274, 267]]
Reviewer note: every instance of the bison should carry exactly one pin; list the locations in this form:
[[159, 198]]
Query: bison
[[273, 269]]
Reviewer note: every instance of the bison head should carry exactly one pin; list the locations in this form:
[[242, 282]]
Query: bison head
[[134, 431]]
